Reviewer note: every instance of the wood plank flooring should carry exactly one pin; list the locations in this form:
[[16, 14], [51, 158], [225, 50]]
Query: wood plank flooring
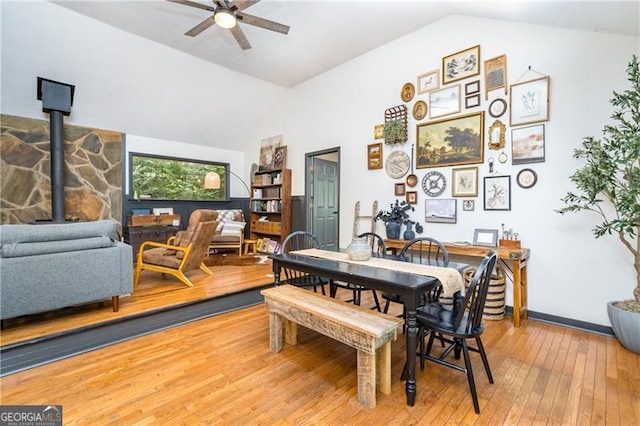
[[220, 371]]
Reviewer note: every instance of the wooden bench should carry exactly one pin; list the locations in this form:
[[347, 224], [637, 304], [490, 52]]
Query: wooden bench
[[369, 332]]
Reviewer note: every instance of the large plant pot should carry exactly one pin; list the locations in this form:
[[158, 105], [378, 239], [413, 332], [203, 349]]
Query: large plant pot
[[626, 326], [393, 230]]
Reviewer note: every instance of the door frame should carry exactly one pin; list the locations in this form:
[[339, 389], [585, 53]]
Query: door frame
[[308, 184]]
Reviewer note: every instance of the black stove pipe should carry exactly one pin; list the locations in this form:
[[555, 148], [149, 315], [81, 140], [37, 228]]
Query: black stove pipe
[[57, 99], [56, 126]]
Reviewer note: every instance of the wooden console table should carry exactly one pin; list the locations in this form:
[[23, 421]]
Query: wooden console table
[[518, 259]]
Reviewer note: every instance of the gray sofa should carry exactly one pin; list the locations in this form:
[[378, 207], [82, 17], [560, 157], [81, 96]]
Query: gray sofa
[[52, 266]]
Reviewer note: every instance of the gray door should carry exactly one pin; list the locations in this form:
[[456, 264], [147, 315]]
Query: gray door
[[324, 204]]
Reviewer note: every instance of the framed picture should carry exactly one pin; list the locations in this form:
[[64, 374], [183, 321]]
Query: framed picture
[[472, 101], [440, 210], [526, 178], [497, 193], [497, 136], [412, 197], [444, 102], [472, 88], [374, 156], [429, 81], [378, 131], [495, 74], [399, 190], [420, 110], [529, 102], [485, 237], [408, 92], [459, 65], [468, 205], [280, 157], [527, 144], [464, 182], [450, 142], [267, 151]]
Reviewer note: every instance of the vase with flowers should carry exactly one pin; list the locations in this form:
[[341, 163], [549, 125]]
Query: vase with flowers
[[395, 217]]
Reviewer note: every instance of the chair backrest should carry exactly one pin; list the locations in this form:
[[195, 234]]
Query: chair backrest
[[202, 225], [376, 242], [299, 240], [425, 250], [474, 299]]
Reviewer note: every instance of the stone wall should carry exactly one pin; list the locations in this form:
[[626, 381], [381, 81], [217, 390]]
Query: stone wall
[[92, 180]]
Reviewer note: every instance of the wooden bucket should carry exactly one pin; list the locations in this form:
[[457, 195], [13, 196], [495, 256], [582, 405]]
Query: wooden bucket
[[494, 307]]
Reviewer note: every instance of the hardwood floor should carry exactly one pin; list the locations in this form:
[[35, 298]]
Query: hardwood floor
[[220, 371]]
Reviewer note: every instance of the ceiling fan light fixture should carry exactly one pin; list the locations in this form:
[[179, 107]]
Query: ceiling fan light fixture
[[225, 18]]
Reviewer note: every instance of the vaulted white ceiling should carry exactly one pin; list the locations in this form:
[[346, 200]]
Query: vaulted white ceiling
[[327, 33]]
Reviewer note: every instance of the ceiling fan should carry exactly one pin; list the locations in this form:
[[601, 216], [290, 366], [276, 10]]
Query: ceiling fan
[[227, 14]]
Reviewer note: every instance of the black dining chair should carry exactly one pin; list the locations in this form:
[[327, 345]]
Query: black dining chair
[[423, 250], [300, 240], [377, 247], [457, 323]]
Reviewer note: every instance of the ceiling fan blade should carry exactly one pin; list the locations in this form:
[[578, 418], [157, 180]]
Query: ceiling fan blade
[[239, 5], [220, 3], [262, 23], [209, 22], [194, 4], [240, 38]]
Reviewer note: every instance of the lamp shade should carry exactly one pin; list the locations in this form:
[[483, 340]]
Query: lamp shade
[[212, 181], [225, 18]]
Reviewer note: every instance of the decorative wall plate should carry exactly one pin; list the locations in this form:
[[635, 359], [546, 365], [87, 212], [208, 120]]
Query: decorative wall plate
[[526, 178], [397, 164], [434, 183], [497, 107]]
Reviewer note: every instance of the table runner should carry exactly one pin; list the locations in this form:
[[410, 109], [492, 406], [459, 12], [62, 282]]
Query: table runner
[[450, 278]]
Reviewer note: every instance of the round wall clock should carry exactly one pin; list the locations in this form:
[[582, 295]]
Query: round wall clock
[[497, 107], [397, 164], [434, 183], [526, 178]]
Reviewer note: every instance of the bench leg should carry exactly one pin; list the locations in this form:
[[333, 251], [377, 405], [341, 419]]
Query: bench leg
[[275, 332], [383, 368], [290, 332], [367, 379]]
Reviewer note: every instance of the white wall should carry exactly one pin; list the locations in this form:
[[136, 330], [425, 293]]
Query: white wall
[[570, 273], [124, 82]]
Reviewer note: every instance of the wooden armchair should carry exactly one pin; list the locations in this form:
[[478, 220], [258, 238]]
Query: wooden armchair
[[182, 253]]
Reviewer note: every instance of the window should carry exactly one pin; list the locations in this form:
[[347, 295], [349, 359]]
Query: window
[[167, 178]]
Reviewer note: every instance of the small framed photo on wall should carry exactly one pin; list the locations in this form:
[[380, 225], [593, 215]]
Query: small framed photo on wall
[[399, 190], [497, 193], [412, 197], [374, 156]]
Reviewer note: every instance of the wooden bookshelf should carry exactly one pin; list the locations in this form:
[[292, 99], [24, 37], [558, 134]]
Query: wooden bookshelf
[[270, 199]]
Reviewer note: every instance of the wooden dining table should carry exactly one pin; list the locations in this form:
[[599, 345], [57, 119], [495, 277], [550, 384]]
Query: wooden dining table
[[409, 286]]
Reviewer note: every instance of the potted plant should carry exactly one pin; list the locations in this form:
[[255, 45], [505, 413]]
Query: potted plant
[[610, 182], [394, 131], [395, 217]]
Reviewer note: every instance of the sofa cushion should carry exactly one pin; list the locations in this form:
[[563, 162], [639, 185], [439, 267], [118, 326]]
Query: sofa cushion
[[38, 248], [11, 234], [233, 228], [232, 215]]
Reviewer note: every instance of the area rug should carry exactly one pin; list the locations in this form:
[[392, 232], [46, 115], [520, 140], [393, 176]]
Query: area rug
[[232, 259]]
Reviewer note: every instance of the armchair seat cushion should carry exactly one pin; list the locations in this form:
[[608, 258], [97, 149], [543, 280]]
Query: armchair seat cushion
[[161, 257], [221, 239]]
